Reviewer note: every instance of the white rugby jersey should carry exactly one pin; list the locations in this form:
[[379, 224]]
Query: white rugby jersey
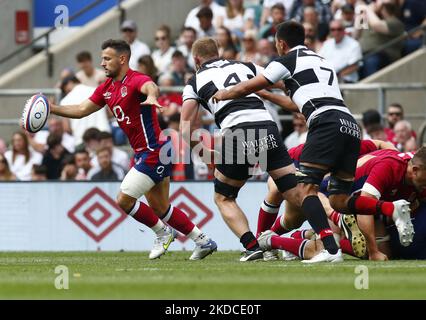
[[311, 82], [221, 74]]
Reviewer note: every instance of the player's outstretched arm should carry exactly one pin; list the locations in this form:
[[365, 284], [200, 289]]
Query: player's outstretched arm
[[367, 226], [242, 89], [283, 101], [189, 120], [150, 89], [75, 111], [380, 145]]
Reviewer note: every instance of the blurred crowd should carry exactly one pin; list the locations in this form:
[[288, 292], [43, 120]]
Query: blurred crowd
[[345, 32]]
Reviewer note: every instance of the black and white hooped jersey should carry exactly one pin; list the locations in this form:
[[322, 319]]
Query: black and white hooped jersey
[[221, 74], [311, 82]]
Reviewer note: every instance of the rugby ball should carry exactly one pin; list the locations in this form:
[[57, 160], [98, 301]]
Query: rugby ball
[[36, 112]]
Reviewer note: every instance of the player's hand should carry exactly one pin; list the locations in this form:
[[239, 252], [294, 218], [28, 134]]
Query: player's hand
[[377, 256], [220, 95], [153, 102]]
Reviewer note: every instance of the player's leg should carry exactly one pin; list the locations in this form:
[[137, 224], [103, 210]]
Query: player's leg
[[302, 248], [158, 199], [269, 209], [134, 186], [309, 181], [226, 192]]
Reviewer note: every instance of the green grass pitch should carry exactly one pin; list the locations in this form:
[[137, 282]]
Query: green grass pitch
[[131, 275]]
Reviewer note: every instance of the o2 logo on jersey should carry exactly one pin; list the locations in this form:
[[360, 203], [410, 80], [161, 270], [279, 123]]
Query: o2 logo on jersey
[[119, 114]]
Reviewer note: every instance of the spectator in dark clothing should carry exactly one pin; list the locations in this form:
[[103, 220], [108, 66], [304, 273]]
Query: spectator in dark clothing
[[107, 171], [413, 14], [54, 156]]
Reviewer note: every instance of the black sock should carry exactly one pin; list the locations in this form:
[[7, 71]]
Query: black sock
[[249, 241], [315, 213]]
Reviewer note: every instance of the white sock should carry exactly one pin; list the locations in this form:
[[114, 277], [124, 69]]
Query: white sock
[[159, 228], [198, 236]]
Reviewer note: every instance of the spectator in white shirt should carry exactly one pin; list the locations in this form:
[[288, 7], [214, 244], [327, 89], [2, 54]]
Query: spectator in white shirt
[[56, 127], [129, 31], [342, 52], [299, 134], [119, 157], [192, 20], [21, 158], [205, 15], [162, 56], [187, 38], [75, 94], [88, 74]]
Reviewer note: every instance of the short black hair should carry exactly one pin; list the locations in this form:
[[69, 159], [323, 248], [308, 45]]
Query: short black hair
[[178, 54], [53, 140], [371, 117], [120, 46], [91, 134], [292, 32], [103, 135], [83, 56]]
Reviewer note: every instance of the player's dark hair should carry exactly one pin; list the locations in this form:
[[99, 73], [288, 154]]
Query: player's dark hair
[[91, 134], [292, 32], [105, 135], [83, 56], [420, 157], [120, 46]]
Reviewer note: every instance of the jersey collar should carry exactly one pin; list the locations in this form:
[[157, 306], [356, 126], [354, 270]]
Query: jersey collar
[[297, 48]]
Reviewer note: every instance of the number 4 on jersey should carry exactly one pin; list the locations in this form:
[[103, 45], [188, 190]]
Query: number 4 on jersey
[[232, 80]]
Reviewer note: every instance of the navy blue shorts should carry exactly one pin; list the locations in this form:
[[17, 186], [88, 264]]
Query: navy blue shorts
[[149, 163]]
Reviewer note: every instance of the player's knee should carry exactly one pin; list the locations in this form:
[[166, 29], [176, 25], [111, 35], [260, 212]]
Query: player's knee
[[286, 182], [124, 202], [310, 175], [337, 186], [224, 191], [339, 202]]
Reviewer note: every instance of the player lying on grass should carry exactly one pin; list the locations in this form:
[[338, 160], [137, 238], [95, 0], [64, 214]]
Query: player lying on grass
[[132, 98], [385, 175], [269, 209]]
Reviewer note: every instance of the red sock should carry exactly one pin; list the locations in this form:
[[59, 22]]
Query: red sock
[[178, 220], [346, 247], [267, 215], [369, 206], [295, 246], [277, 227], [335, 217], [144, 214], [298, 234]]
